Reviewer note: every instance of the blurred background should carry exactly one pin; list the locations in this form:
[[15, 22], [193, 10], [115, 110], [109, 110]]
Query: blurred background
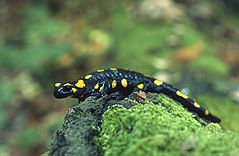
[[193, 45]]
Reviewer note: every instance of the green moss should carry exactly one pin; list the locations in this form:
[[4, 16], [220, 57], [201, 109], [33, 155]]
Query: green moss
[[165, 128]]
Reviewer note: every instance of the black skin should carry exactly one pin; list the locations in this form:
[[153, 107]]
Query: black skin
[[105, 79]]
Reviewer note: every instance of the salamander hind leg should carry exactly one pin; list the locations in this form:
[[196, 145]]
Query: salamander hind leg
[[135, 89], [139, 87]]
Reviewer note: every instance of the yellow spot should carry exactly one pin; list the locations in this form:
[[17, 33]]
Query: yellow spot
[[57, 84], [140, 86], [113, 68], [124, 83], [82, 96], [67, 84], [114, 84], [196, 105], [100, 70], [206, 112], [80, 84], [157, 82], [182, 95], [74, 90], [96, 86], [88, 76], [146, 75], [100, 89]]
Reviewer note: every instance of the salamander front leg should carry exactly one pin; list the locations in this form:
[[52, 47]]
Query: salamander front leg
[[97, 93]]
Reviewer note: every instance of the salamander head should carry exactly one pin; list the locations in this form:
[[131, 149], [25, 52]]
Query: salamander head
[[68, 89]]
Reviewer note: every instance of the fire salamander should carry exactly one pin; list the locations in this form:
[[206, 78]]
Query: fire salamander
[[107, 81]]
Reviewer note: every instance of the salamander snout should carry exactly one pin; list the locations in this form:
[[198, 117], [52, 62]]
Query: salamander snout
[[64, 90]]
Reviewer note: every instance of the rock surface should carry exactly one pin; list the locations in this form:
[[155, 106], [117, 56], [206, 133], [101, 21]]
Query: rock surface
[[155, 126], [80, 126]]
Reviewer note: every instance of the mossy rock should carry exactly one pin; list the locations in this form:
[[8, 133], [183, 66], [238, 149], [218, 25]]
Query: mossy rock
[[165, 128], [155, 126]]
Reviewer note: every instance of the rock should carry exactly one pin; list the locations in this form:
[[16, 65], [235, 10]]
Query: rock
[[157, 125]]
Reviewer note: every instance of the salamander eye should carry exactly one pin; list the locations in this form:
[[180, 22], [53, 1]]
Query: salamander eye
[[66, 88]]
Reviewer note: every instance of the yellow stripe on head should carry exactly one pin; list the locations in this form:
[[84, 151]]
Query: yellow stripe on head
[[80, 84], [182, 95], [67, 84], [88, 76], [57, 84]]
